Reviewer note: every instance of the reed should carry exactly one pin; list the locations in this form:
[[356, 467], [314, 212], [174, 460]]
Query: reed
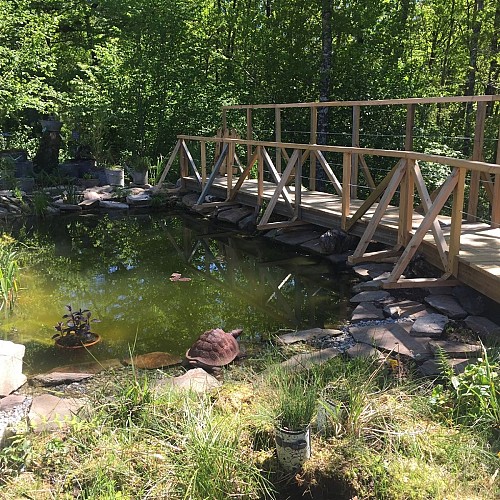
[[9, 274]]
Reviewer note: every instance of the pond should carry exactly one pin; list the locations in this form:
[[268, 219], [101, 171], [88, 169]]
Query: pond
[[119, 267]]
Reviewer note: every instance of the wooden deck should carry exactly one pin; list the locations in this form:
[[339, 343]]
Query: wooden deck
[[478, 259]]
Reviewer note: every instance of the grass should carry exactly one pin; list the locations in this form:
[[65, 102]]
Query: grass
[[382, 439], [9, 273]]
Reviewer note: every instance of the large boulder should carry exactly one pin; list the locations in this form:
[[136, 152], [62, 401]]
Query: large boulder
[[11, 367]]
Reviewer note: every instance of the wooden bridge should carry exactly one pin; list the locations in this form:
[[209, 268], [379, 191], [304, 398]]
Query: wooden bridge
[[395, 208]]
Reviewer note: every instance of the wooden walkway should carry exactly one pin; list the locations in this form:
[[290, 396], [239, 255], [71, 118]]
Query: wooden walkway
[[399, 208], [478, 260]]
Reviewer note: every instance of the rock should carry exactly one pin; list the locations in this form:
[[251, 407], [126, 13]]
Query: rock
[[486, 329], [370, 296], [11, 367], [197, 380], [58, 378], [456, 349], [431, 325], [432, 368], [113, 205], [307, 335], [446, 304], [366, 286], [89, 204], [234, 215], [364, 351], [297, 236], [371, 270], [367, 311], [12, 411], [392, 338], [248, 223], [472, 301], [337, 241], [68, 207], [190, 199], [403, 309], [139, 200], [92, 367], [313, 246], [153, 360], [301, 362], [50, 412]]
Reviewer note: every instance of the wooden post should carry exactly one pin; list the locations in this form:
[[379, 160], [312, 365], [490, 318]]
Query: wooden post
[[346, 188], [260, 177], [249, 133], [407, 186], [355, 158], [456, 222], [298, 188], [495, 207], [277, 122], [312, 140], [203, 153], [183, 163], [477, 155], [229, 171]]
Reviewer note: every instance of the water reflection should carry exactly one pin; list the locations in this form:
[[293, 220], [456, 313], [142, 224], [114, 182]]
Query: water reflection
[[119, 268]]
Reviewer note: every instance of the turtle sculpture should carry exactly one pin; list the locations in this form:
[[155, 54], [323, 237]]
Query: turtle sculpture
[[213, 349]]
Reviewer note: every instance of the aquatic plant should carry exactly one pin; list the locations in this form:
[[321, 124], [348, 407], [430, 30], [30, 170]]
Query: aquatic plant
[[75, 330], [9, 273]]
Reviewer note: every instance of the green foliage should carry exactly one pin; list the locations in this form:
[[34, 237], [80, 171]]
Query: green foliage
[[9, 273], [471, 398]]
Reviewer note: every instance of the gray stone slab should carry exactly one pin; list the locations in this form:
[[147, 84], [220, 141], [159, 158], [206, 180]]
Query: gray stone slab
[[431, 367], [456, 350], [50, 412], [446, 304], [196, 380], [153, 360], [370, 296], [367, 311], [58, 378], [403, 309], [9, 403], [314, 246], [485, 328], [370, 270], [89, 367], [139, 200], [307, 335], [190, 199], [366, 286], [305, 361], [234, 215], [364, 351], [113, 205], [392, 337], [297, 237], [67, 207], [431, 325]]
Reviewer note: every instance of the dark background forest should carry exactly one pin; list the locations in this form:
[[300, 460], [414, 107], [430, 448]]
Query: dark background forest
[[126, 76]]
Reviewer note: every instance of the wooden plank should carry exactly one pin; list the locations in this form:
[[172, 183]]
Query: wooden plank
[[260, 177], [373, 197], [213, 175], [249, 134], [243, 175], [277, 136], [495, 208], [379, 211], [441, 245], [419, 283], [276, 176], [189, 158], [298, 189], [346, 189], [375, 256], [425, 225], [203, 154], [169, 163], [313, 139], [329, 172], [456, 222], [366, 172], [477, 155], [280, 224], [279, 188], [406, 204], [354, 157]]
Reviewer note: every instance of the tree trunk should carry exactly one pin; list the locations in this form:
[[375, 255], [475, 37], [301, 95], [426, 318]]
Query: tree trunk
[[494, 70], [324, 83]]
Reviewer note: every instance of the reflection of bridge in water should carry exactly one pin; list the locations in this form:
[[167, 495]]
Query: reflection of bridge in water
[[376, 194], [295, 290]]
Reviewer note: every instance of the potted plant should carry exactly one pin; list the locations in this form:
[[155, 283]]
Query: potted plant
[[115, 175], [74, 331], [140, 170], [295, 405], [89, 179]]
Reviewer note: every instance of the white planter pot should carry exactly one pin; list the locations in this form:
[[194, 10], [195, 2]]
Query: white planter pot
[[293, 447], [139, 178]]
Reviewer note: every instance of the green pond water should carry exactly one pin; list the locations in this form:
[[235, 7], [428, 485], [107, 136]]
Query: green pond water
[[119, 268]]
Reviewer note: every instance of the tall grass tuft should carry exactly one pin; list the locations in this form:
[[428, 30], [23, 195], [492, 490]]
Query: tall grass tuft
[[9, 273]]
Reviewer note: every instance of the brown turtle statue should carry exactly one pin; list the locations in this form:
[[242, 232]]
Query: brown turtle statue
[[213, 349]]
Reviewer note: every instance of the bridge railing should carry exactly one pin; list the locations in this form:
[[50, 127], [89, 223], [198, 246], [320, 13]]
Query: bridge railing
[[404, 178]]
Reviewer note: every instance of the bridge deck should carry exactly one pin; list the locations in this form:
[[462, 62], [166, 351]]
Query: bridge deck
[[478, 261]]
